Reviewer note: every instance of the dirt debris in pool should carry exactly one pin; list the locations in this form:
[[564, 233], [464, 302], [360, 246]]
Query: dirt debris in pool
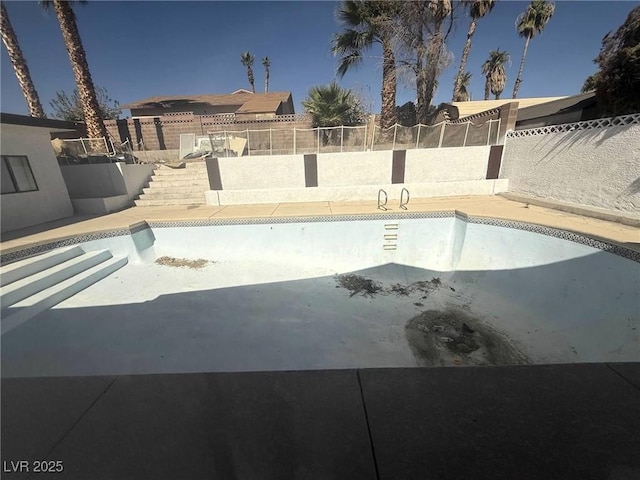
[[455, 337], [183, 262], [359, 285]]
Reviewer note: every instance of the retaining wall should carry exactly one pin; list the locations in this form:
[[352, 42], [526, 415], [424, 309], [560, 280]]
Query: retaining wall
[[587, 165]]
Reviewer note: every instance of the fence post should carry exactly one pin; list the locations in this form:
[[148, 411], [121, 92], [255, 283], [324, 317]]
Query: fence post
[[364, 143], [489, 133], [294, 140], [341, 137], [373, 136], [441, 134], [395, 132], [466, 132], [83, 147], [248, 144], [418, 137], [270, 143], [498, 131], [226, 144], [318, 146]]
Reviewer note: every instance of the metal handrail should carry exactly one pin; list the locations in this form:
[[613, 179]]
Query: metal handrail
[[381, 206], [403, 205]]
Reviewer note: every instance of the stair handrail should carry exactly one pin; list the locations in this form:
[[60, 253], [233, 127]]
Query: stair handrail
[[403, 205], [382, 206]]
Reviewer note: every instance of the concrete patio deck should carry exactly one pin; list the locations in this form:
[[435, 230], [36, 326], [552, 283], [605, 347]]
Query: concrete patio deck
[[484, 206], [526, 422], [497, 423]]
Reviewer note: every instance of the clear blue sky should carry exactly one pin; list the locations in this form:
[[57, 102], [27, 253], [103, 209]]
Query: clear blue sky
[[140, 49]]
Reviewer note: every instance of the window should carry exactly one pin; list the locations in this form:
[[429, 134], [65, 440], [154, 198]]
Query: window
[[17, 175]]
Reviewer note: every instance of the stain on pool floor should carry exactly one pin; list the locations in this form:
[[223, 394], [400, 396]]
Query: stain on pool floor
[[231, 316]]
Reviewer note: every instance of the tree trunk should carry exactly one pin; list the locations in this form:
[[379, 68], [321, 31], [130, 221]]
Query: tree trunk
[[251, 79], [81, 72], [422, 107], [516, 87], [388, 110], [266, 80], [20, 65], [487, 88], [463, 60], [498, 96], [433, 63]]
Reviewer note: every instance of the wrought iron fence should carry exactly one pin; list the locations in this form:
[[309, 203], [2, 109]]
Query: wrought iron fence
[[349, 139]]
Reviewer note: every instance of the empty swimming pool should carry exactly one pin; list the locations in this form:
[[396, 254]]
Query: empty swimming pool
[[338, 292]]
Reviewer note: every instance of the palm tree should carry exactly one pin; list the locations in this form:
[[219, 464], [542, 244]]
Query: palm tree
[[462, 94], [20, 65], [247, 60], [78, 58], [332, 106], [590, 83], [439, 11], [267, 63], [495, 74], [529, 24], [477, 10], [367, 23]]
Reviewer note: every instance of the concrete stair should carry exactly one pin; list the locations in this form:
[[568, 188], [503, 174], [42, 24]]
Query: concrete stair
[[35, 284], [176, 186]]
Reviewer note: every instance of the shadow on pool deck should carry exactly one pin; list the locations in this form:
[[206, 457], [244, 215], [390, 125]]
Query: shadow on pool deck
[[509, 422], [494, 423]]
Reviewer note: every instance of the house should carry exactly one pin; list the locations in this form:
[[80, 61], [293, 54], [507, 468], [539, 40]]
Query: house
[[241, 103], [33, 189], [465, 109], [575, 108]]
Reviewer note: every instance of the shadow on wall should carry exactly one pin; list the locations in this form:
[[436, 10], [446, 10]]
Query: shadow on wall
[[585, 309], [634, 187], [596, 136]]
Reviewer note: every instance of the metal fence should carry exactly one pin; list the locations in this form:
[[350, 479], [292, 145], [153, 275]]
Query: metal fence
[[79, 151], [350, 139]]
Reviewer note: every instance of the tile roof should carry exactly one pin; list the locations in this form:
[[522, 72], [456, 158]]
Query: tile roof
[[239, 98], [260, 105]]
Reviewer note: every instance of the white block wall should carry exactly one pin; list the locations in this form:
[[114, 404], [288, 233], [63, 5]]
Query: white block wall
[[354, 168], [446, 164], [255, 172], [599, 167]]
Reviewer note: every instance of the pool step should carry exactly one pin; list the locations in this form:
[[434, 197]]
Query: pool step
[[28, 296], [25, 287], [29, 266]]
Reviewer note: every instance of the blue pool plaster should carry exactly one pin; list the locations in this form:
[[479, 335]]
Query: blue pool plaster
[[269, 299]]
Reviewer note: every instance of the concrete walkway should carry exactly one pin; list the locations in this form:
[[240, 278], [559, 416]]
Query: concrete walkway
[[495, 423], [484, 206]]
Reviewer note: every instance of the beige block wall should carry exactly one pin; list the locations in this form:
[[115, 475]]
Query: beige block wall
[[355, 168], [446, 164], [51, 201]]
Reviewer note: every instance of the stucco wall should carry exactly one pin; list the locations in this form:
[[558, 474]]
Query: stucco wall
[[598, 167], [247, 173], [106, 180], [446, 164], [51, 201], [354, 168]]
